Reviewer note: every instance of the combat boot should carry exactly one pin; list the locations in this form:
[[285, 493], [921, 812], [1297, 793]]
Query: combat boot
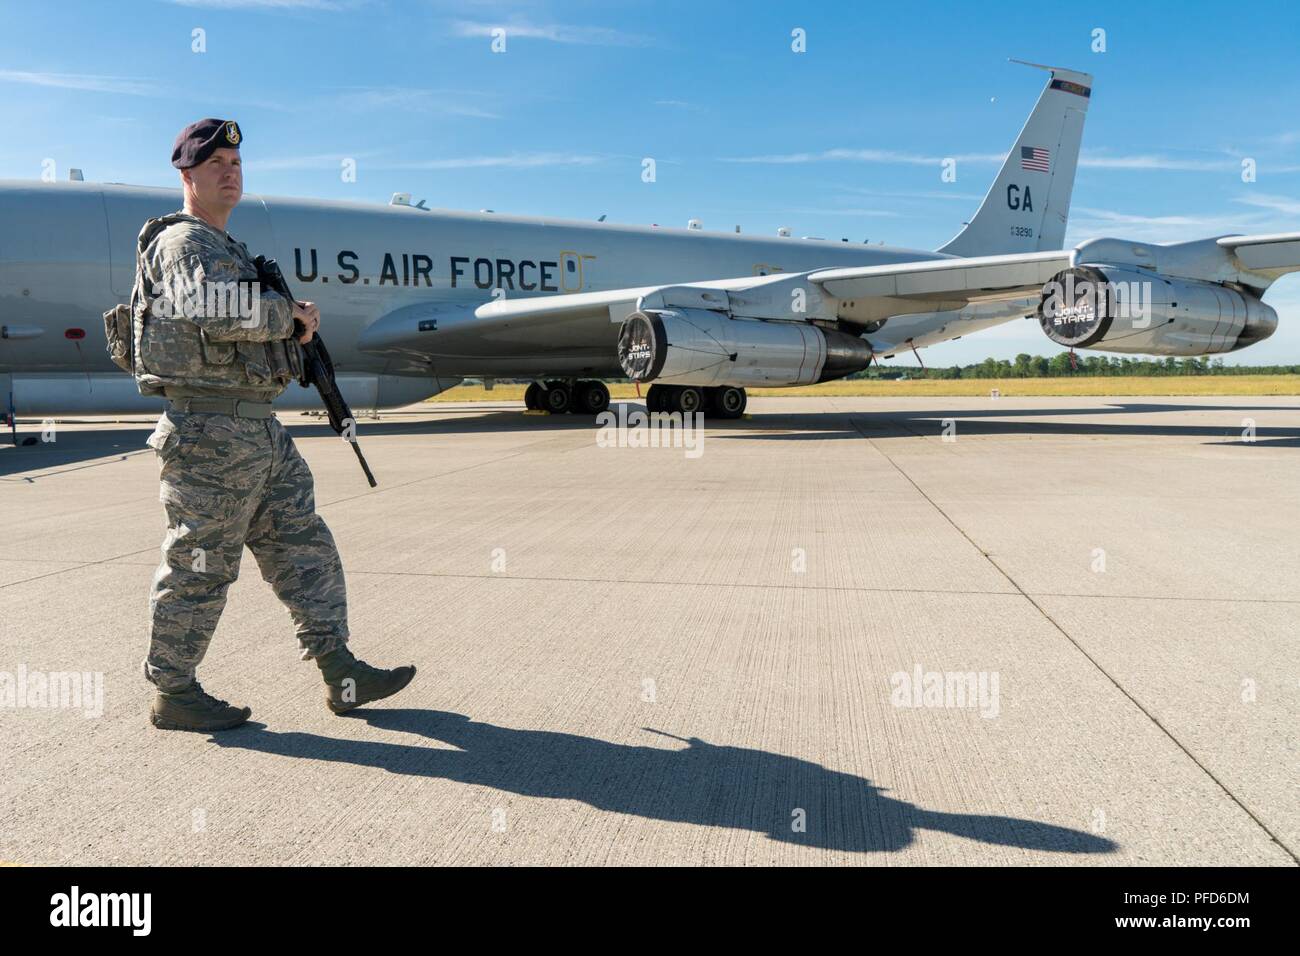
[[195, 709], [350, 683]]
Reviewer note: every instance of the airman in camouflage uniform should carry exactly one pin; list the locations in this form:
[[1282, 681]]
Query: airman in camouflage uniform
[[219, 348]]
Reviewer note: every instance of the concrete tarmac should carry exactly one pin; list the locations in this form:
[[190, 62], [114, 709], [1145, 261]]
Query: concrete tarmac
[[847, 631]]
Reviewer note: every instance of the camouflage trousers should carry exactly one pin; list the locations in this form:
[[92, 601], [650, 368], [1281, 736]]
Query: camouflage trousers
[[229, 482]]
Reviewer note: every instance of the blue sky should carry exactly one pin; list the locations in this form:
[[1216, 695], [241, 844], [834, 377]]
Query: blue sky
[[558, 123]]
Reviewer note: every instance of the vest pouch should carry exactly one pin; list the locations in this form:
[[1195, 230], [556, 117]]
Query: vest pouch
[[216, 353], [256, 359], [118, 336], [296, 364], [168, 347], [286, 360]]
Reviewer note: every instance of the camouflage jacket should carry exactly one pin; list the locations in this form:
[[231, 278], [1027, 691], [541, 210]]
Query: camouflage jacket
[[202, 324]]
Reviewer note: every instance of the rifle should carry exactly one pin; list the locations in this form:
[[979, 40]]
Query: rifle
[[318, 369]]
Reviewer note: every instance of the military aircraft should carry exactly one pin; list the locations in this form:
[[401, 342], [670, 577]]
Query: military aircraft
[[415, 300]]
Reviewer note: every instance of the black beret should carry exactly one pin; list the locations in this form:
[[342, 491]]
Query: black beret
[[198, 141]]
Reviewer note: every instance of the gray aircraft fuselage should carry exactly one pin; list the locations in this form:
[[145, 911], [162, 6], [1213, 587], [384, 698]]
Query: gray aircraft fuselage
[[67, 253], [398, 285]]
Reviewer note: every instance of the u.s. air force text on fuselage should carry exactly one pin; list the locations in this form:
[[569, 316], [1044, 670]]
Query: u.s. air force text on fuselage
[[562, 273]]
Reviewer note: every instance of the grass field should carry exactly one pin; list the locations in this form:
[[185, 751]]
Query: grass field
[[1012, 387]]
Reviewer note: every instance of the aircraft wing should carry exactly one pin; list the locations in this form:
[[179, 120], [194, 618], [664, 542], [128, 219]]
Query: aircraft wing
[[1271, 255], [877, 292], [862, 294]]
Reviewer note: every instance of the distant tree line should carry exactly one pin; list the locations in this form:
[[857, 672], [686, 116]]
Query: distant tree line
[[1036, 366]]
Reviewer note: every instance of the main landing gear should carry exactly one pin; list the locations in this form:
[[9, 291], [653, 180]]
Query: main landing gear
[[727, 401], [592, 398], [557, 397]]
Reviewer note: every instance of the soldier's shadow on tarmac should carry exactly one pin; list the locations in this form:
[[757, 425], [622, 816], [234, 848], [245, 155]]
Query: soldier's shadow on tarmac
[[701, 783]]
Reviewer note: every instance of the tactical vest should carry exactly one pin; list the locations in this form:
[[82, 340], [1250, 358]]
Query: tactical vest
[[170, 350]]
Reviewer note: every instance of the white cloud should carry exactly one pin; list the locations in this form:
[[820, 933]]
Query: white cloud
[[1111, 215], [844, 211], [512, 161], [1151, 161], [329, 5], [445, 102], [921, 194], [1089, 223], [82, 81], [1154, 161], [312, 161], [1282, 204], [96, 83], [554, 32], [864, 156]]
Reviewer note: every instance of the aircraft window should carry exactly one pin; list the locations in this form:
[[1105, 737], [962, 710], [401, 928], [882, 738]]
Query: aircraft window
[[573, 267]]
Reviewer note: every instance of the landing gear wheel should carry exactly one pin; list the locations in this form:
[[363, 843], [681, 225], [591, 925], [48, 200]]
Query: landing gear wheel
[[654, 398], [590, 398], [532, 397], [688, 399], [558, 398], [728, 401]]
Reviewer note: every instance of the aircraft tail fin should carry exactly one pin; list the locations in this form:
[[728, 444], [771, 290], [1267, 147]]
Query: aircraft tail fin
[[1027, 207]]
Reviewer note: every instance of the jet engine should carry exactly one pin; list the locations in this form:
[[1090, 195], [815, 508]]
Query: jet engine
[[706, 348], [1117, 309]]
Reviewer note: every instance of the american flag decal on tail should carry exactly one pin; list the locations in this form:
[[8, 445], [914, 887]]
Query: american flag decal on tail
[[1033, 158]]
